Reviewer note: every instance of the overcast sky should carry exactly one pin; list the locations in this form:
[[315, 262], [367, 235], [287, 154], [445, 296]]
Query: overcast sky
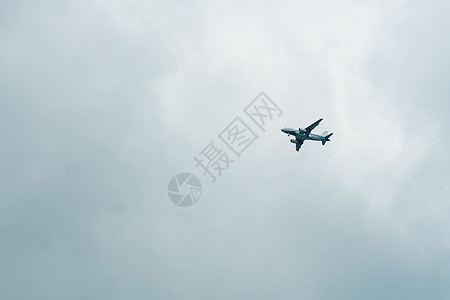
[[103, 102]]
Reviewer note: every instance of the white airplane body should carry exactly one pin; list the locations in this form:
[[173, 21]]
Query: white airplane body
[[303, 134]]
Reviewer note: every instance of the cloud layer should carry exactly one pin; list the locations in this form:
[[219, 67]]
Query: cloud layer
[[104, 101]]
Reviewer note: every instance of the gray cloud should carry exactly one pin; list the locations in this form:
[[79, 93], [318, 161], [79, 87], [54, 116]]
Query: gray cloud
[[103, 102]]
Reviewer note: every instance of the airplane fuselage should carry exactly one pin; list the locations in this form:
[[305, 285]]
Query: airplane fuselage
[[302, 135]]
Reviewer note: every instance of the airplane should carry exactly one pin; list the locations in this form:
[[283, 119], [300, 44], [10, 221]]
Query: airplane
[[303, 134]]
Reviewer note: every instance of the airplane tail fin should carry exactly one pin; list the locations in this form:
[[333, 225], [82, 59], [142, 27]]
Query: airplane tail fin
[[326, 138]]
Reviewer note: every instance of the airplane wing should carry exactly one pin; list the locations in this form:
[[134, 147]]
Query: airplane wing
[[312, 126], [299, 143]]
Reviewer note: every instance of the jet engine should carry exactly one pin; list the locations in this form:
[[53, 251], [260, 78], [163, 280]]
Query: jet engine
[[293, 141]]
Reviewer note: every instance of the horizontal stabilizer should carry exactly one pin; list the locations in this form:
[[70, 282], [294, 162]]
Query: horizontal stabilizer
[[326, 138]]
